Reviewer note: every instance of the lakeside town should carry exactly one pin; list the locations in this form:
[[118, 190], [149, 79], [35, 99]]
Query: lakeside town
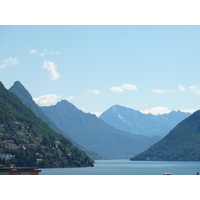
[[18, 136]]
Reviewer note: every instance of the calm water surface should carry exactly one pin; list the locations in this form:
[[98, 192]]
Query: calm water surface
[[127, 167]]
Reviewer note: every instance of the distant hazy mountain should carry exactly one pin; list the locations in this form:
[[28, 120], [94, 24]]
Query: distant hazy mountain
[[181, 144], [19, 90], [135, 122], [95, 134]]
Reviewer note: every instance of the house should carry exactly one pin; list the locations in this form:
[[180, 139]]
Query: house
[[39, 160], [11, 146], [39, 139], [56, 143], [69, 154]]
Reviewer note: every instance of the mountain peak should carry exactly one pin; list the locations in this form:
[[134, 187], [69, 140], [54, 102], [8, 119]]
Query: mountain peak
[[20, 89], [136, 122], [64, 102], [95, 134], [1, 85], [17, 83]]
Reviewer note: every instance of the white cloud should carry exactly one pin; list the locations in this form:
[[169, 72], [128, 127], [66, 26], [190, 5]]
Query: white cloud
[[188, 110], [123, 87], [93, 92], [70, 98], [43, 53], [54, 52], [116, 89], [181, 88], [51, 67], [33, 51], [97, 113], [156, 110], [195, 89], [164, 110], [158, 91], [47, 100], [9, 62], [129, 87]]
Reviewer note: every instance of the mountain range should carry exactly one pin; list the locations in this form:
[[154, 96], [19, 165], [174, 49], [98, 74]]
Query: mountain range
[[182, 143], [85, 130], [19, 90], [27, 141], [135, 122], [94, 134], [140, 137]]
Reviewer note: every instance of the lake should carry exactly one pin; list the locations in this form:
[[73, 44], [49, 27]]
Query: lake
[[127, 167]]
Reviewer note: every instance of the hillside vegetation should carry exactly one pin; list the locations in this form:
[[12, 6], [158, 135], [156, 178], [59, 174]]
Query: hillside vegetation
[[19, 90], [181, 144], [27, 141]]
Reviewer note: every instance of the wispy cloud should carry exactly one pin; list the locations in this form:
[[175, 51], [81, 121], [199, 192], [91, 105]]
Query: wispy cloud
[[156, 110], [93, 92], [195, 89], [51, 67], [163, 110], [116, 89], [35, 51], [158, 91], [97, 113], [181, 88], [189, 110], [129, 87], [47, 100], [9, 62], [70, 98], [123, 87], [48, 52]]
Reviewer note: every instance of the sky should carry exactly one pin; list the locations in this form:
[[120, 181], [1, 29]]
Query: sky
[[153, 69]]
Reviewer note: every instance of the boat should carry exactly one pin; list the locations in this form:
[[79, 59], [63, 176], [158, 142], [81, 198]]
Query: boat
[[19, 171], [167, 174]]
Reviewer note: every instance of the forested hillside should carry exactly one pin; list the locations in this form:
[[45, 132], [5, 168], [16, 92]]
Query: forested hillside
[[27, 141], [19, 90], [181, 144]]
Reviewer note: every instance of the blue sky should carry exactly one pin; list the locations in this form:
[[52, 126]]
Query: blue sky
[[148, 68]]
